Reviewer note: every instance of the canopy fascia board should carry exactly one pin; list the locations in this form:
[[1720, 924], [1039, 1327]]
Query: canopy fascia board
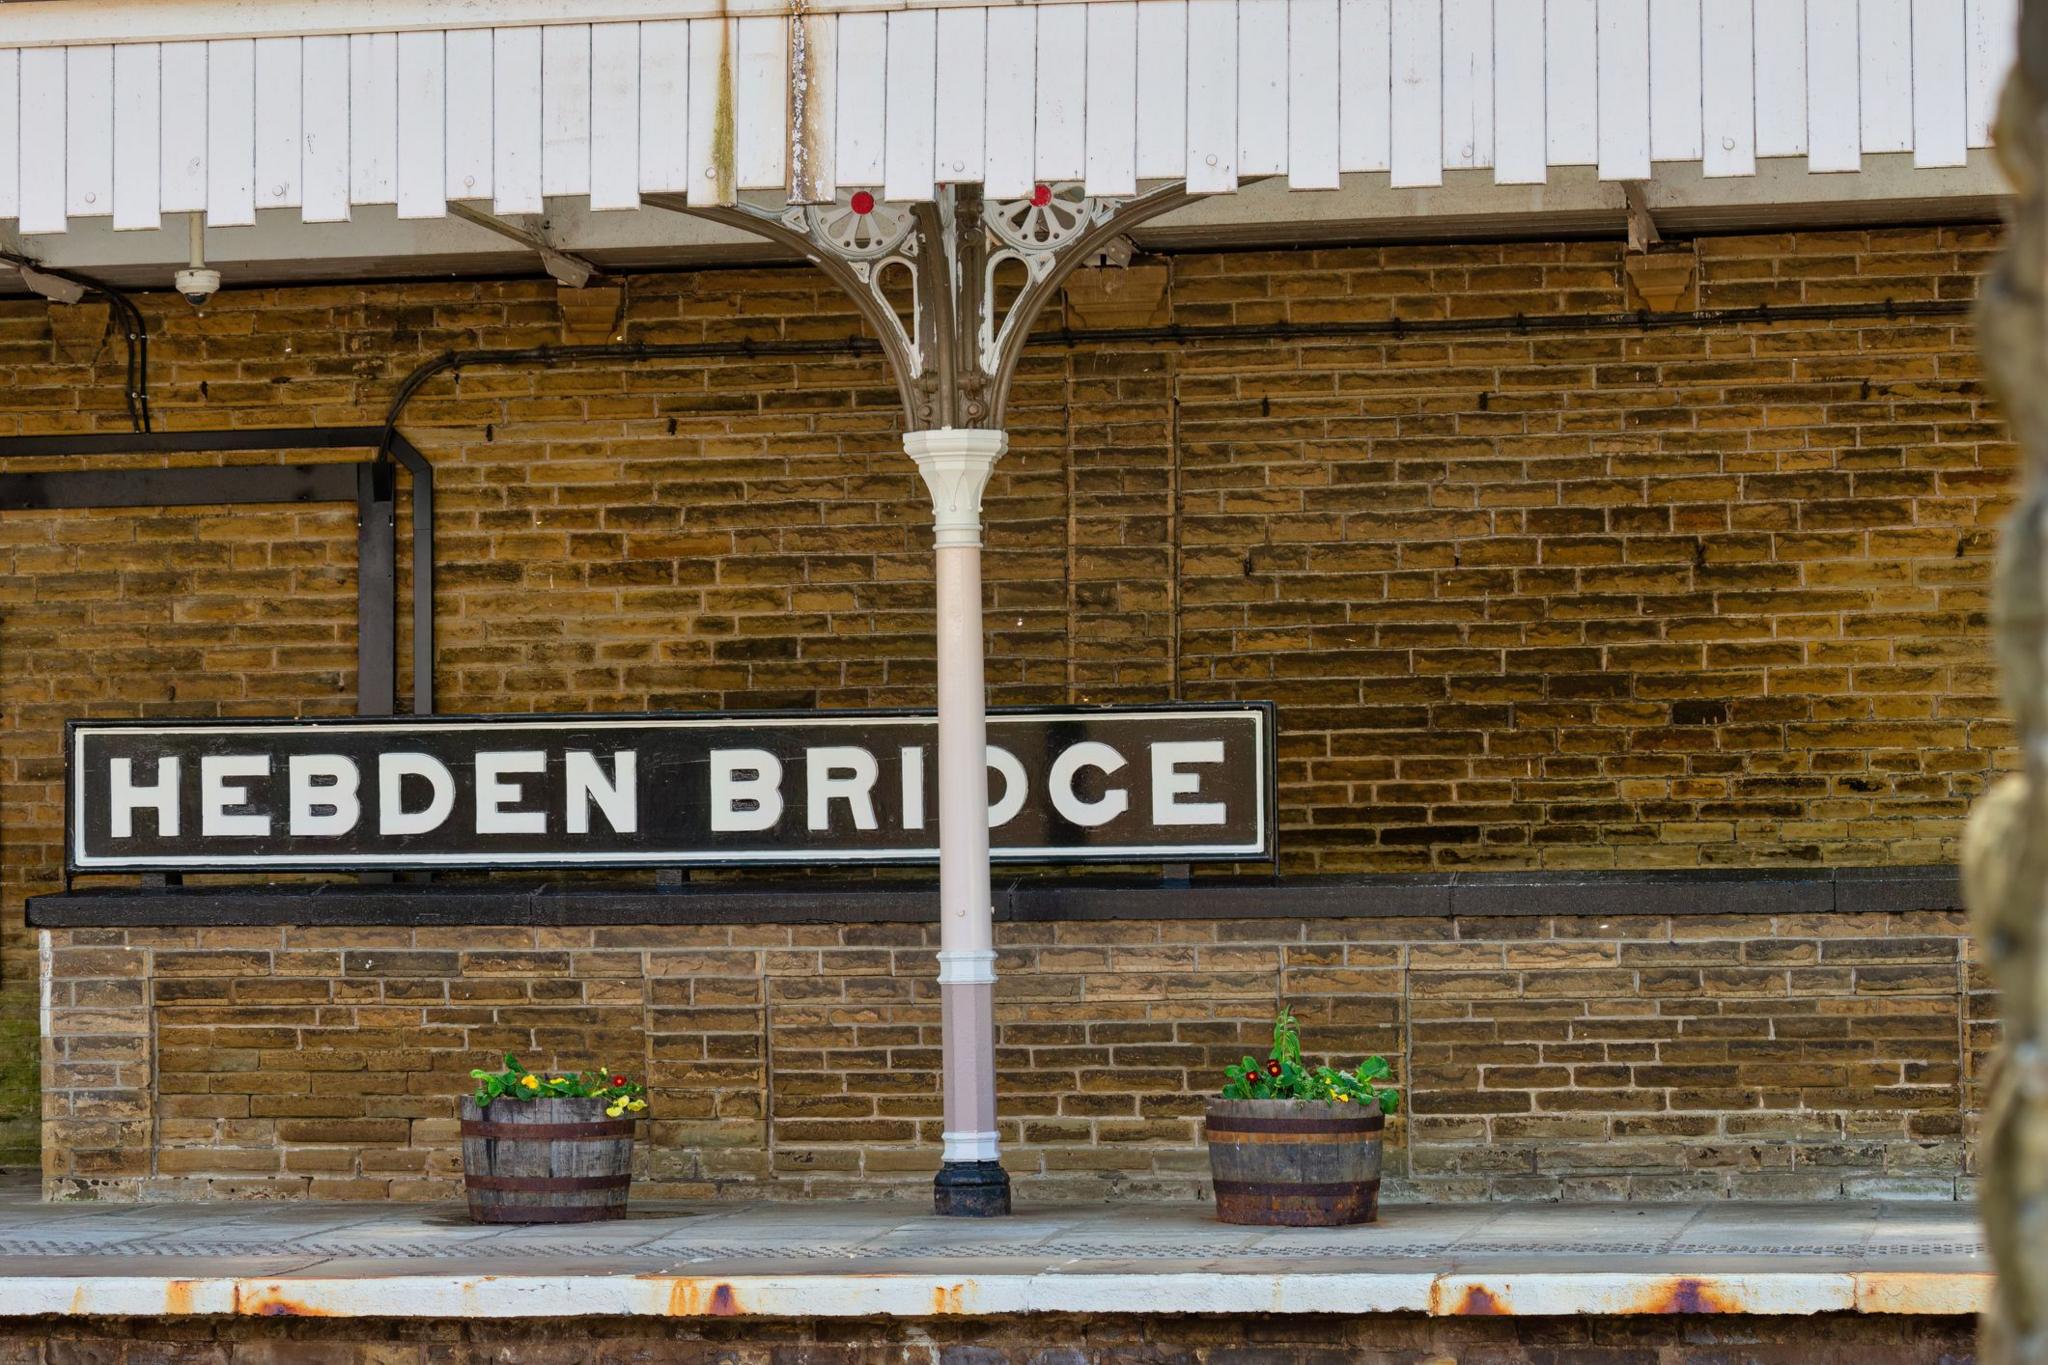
[[65, 23], [376, 243]]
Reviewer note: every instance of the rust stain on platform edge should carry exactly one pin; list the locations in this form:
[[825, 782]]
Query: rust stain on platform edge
[[687, 1299], [1685, 1294], [948, 1299], [1599, 1295], [1480, 1302], [269, 1301]]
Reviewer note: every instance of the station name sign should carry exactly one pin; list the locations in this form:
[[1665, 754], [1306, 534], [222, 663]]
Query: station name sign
[[1127, 784]]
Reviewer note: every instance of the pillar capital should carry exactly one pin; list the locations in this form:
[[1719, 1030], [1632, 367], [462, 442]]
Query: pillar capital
[[923, 276], [956, 463]]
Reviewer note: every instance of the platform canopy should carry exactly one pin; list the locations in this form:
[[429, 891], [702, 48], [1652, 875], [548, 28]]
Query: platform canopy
[[114, 115], [913, 150]]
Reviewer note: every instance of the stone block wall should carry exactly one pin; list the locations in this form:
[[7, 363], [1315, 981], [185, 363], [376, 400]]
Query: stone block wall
[[1649, 1057], [1020, 1339], [1697, 596]]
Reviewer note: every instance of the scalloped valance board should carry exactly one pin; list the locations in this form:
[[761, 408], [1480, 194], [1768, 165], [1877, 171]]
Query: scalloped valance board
[[130, 111]]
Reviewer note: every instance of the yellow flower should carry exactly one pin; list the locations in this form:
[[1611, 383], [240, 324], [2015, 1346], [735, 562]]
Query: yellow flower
[[1344, 1099], [614, 1111], [530, 1082], [636, 1105], [558, 1081]]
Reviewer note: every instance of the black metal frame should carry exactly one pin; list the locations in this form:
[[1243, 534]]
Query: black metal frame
[[372, 484]]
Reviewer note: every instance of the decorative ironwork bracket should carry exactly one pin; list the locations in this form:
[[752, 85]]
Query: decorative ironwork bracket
[[925, 277]]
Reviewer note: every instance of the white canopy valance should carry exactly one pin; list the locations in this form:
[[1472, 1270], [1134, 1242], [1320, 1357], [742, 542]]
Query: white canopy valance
[[900, 100]]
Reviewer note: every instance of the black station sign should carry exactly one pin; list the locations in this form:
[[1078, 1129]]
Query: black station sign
[[1162, 783]]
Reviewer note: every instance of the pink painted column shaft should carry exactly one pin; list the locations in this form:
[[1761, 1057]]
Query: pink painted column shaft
[[956, 464]]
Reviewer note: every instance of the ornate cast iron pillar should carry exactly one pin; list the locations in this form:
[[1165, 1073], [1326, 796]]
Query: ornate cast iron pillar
[[925, 278], [956, 463]]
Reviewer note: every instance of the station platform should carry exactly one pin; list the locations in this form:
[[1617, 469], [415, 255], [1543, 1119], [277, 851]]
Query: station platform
[[879, 1260]]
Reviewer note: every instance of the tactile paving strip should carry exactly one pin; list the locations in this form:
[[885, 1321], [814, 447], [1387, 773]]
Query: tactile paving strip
[[1364, 1245]]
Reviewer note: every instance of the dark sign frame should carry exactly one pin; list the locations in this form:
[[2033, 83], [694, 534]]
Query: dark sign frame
[[1263, 714]]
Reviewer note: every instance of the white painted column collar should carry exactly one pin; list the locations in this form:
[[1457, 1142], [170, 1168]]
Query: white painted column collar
[[956, 463], [970, 1147], [967, 966]]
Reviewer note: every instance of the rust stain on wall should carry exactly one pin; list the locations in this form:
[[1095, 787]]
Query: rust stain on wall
[[724, 139], [949, 1298]]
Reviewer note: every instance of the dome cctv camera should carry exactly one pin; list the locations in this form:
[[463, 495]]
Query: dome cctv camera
[[197, 285]]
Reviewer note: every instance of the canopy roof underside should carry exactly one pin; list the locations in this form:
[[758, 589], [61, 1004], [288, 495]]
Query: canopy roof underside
[[405, 116]]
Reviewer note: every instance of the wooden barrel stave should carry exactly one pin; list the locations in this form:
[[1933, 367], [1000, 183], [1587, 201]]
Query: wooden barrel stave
[[1294, 1163], [545, 1161]]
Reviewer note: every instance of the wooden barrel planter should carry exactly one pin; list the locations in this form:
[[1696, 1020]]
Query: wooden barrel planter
[[1295, 1163], [545, 1161]]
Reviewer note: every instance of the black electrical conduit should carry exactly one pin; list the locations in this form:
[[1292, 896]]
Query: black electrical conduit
[[629, 350], [1395, 328], [135, 388]]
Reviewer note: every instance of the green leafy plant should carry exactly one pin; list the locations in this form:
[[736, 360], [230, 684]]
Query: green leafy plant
[[515, 1082], [1285, 1076]]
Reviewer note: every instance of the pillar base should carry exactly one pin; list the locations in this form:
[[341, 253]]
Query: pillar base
[[971, 1189]]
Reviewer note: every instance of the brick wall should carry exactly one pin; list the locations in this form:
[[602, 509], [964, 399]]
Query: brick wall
[[1038, 1338], [1704, 596], [1649, 1057]]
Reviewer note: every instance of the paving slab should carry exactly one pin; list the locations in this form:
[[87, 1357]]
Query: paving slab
[[857, 1259]]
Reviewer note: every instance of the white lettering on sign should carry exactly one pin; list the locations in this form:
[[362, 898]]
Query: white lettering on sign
[[1016, 787], [126, 797], [323, 794], [217, 792], [617, 796], [746, 790], [494, 793], [912, 757], [840, 772], [1088, 753], [392, 816], [1170, 784]]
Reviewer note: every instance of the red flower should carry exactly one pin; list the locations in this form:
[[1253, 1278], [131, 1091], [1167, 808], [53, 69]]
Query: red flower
[[618, 1080], [1273, 1068]]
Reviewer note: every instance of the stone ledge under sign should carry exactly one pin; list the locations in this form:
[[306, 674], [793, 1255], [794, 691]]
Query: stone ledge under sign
[[1701, 892]]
